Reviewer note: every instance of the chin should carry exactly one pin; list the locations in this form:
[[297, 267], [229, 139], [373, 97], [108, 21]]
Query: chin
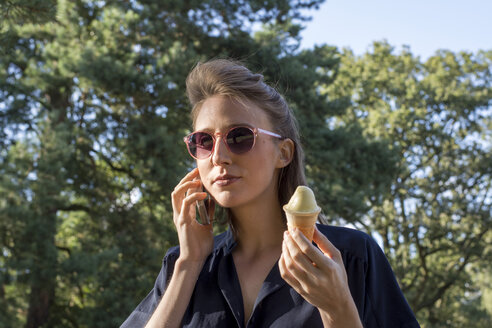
[[226, 200]]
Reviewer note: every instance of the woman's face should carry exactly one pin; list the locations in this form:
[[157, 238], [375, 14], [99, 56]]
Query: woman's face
[[237, 179]]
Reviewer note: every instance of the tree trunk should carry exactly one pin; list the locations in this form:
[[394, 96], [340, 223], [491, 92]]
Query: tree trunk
[[40, 301], [46, 202], [43, 274]]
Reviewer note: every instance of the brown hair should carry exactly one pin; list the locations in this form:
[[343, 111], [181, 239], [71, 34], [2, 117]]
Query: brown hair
[[232, 79]]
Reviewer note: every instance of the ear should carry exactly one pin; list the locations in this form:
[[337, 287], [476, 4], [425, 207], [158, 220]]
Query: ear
[[286, 148]]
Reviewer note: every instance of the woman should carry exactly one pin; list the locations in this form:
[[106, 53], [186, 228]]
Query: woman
[[249, 159]]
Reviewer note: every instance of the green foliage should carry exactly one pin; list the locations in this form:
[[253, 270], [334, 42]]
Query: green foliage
[[436, 222], [27, 11], [92, 114]]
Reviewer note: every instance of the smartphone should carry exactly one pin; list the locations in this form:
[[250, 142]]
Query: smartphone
[[202, 211]]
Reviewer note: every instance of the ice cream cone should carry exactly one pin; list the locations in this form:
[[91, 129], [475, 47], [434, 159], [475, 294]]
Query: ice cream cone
[[302, 211], [305, 223]]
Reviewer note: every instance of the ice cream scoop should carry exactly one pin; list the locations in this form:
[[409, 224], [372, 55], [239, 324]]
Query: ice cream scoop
[[302, 211]]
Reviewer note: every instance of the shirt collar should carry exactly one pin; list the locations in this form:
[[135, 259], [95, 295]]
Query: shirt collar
[[225, 242]]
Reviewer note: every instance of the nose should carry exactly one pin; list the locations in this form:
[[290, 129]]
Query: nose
[[221, 154]]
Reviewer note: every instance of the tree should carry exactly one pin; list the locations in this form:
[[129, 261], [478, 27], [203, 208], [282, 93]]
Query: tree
[[435, 225], [92, 113]]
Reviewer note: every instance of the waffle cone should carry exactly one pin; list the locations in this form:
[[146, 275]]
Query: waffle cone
[[308, 232], [305, 222]]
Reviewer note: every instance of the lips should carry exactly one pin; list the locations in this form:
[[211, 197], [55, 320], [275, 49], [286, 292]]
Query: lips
[[225, 180]]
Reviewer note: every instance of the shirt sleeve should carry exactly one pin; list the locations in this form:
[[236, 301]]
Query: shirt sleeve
[[143, 312], [385, 304]]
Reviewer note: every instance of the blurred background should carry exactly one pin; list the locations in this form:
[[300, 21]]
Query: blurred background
[[394, 103]]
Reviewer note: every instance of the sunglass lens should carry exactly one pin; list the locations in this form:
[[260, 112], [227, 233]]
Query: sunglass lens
[[200, 144], [240, 140]]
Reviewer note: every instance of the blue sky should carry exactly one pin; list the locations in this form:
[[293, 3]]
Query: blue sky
[[424, 25]]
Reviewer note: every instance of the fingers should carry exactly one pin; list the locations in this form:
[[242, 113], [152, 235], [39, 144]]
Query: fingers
[[184, 184], [180, 192], [184, 196], [315, 274], [287, 276], [192, 198], [306, 246], [300, 254], [317, 257], [188, 212], [189, 202], [296, 268], [188, 187], [190, 176], [302, 261]]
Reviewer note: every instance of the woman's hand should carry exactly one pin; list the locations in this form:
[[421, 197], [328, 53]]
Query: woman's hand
[[319, 276], [195, 240]]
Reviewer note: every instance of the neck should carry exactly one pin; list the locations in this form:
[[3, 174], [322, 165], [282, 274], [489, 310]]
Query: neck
[[258, 227]]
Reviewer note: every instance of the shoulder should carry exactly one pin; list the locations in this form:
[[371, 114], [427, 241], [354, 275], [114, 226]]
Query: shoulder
[[350, 241], [371, 279], [172, 253]]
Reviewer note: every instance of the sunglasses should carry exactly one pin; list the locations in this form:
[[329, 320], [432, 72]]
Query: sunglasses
[[239, 140]]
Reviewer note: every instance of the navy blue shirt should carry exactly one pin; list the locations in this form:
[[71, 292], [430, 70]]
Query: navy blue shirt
[[217, 301]]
